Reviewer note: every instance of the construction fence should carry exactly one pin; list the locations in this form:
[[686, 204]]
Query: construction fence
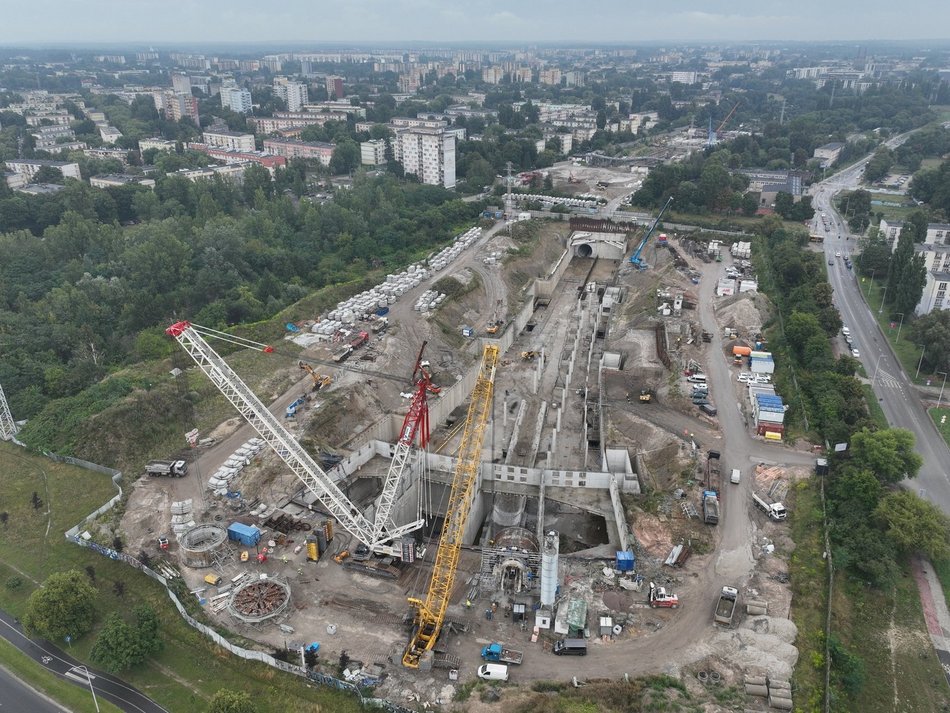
[[74, 535]]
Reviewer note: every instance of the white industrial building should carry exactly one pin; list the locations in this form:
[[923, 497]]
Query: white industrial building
[[609, 246]]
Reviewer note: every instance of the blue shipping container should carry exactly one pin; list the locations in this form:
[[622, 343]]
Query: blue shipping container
[[247, 535]]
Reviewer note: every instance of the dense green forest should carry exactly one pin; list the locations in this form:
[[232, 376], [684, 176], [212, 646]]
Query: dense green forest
[[82, 294]]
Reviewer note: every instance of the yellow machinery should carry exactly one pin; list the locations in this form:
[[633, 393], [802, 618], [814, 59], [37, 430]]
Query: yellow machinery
[[319, 380], [528, 356], [430, 613]]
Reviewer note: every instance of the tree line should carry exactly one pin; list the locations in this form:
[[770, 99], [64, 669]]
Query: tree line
[[81, 294], [873, 524]]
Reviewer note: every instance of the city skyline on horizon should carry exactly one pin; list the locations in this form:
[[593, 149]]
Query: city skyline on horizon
[[64, 22]]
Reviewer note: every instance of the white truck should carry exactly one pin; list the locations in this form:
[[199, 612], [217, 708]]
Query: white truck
[[726, 606], [169, 468], [775, 511]]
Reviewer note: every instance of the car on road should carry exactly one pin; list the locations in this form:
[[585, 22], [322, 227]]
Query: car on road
[[830, 261], [855, 353], [838, 253]]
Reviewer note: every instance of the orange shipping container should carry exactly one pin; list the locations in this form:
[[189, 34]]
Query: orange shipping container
[[741, 351]]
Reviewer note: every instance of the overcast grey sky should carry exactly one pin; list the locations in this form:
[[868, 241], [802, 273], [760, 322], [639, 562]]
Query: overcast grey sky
[[200, 21]]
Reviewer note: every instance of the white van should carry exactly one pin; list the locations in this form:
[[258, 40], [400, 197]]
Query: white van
[[734, 478], [696, 378], [493, 672]]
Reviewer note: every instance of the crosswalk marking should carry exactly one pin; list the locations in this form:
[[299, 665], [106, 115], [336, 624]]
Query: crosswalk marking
[[887, 381]]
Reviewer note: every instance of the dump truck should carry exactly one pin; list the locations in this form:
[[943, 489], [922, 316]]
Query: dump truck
[[726, 607], [660, 598], [776, 511], [710, 508], [713, 472], [502, 654], [169, 468]]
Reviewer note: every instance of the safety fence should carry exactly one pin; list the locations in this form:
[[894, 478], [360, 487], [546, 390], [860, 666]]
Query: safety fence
[[74, 535]]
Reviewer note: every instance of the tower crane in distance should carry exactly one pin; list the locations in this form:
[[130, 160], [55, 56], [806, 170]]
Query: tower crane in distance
[[273, 432], [430, 613], [635, 258], [726, 120]]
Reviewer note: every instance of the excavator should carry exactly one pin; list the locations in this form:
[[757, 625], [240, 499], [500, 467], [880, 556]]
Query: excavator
[[319, 380]]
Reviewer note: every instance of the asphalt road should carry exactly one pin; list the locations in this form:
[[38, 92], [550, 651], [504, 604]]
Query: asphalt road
[[107, 687], [17, 696], [896, 394]]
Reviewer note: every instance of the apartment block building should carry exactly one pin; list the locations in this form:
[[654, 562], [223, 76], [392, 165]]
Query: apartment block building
[[428, 153], [230, 140], [335, 87], [237, 99], [156, 143], [294, 94], [294, 148], [29, 167], [935, 250], [373, 152], [551, 76]]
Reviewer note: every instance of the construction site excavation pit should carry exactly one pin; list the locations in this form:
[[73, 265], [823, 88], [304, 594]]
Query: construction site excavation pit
[[201, 545]]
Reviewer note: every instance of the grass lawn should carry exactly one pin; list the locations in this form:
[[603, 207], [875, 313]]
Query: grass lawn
[[808, 578], [886, 629], [907, 352], [938, 413], [874, 407], [862, 620], [67, 694], [189, 669], [891, 212]]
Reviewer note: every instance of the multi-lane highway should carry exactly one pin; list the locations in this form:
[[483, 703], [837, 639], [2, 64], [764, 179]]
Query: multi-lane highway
[[894, 390]]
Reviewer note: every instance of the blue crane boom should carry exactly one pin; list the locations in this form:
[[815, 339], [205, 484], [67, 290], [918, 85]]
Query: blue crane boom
[[635, 258]]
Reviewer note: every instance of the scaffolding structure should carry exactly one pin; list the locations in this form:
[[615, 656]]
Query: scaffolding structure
[[8, 427], [496, 561]]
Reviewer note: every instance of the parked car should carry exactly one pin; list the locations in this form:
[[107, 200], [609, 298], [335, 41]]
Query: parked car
[[855, 353]]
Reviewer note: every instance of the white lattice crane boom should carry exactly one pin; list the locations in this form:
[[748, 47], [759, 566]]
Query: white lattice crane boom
[[270, 428], [8, 427]]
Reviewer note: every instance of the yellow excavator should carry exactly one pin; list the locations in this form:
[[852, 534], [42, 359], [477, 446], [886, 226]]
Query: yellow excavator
[[319, 380], [430, 613]]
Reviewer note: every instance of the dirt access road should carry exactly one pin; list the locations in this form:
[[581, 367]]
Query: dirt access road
[[688, 634], [148, 514]]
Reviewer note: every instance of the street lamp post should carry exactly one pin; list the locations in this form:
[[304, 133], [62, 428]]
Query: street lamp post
[[870, 282], [85, 672], [922, 349], [940, 397], [876, 367], [901, 324], [883, 295]]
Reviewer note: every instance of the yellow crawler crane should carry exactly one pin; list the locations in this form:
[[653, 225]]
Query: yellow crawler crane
[[430, 614]]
